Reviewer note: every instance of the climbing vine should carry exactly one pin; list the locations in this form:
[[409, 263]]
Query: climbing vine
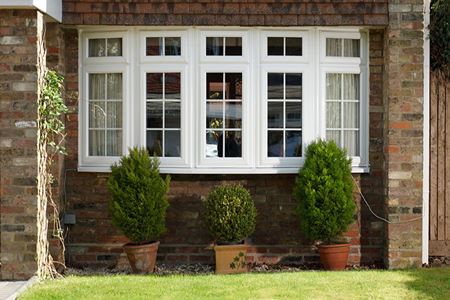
[[50, 137], [439, 37]]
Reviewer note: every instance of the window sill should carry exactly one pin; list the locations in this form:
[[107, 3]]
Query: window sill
[[168, 170]]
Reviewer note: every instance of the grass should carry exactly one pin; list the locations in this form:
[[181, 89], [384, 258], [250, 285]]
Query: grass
[[374, 284]]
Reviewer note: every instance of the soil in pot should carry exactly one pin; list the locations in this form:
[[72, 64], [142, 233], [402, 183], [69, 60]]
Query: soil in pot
[[334, 257], [142, 258], [231, 259]]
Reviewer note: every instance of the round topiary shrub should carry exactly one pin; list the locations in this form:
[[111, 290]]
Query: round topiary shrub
[[139, 196], [230, 213], [324, 190]]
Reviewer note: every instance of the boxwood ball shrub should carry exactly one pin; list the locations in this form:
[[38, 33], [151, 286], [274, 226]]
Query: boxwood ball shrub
[[139, 196], [230, 213], [324, 191]]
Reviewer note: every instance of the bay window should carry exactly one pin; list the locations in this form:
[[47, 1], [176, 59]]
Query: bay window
[[207, 100]]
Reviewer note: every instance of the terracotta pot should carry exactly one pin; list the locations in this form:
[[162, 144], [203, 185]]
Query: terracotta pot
[[142, 257], [334, 257], [226, 256]]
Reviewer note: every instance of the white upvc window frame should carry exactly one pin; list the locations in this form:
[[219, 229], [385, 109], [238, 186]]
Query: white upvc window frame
[[158, 59], [348, 65], [225, 162], [204, 33], [303, 34], [182, 161], [193, 64], [101, 65], [308, 109]]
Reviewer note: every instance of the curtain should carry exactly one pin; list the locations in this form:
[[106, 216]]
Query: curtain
[[333, 47], [351, 48], [105, 114], [343, 107]]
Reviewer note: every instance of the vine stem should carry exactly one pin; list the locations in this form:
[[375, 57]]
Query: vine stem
[[45, 264]]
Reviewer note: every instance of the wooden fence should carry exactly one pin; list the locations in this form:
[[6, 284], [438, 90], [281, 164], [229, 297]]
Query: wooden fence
[[439, 167]]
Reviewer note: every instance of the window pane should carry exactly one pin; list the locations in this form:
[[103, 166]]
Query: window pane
[[97, 114], [351, 86], [154, 142], [275, 115], [173, 46], [333, 86], [233, 86], [275, 143], [114, 115], [154, 115], [233, 115], [293, 115], [334, 115], [114, 143], [233, 46], [214, 85], [96, 142], [214, 115], [154, 46], [97, 47], [212, 142], [334, 135], [214, 46], [172, 143], [233, 144], [172, 86], [275, 86], [154, 86], [351, 142], [334, 47], [293, 86], [351, 48], [275, 46], [293, 143], [351, 115], [97, 86], [293, 46], [114, 47], [172, 115], [114, 91]]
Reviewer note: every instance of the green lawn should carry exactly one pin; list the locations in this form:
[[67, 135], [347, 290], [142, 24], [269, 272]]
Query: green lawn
[[406, 284]]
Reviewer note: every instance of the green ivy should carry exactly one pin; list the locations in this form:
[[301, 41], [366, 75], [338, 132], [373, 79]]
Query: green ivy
[[230, 213], [51, 107], [324, 191], [139, 196], [440, 37]]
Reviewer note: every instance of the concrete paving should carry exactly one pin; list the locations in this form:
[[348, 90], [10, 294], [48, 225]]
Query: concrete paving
[[9, 290]]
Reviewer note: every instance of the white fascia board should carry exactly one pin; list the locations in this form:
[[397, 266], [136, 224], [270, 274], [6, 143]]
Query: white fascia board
[[52, 8]]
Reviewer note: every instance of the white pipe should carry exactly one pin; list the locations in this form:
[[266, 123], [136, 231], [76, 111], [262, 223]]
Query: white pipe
[[426, 133]]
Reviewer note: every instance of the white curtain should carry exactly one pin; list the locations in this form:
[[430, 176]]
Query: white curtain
[[343, 120], [105, 114], [333, 47], [351, 48]]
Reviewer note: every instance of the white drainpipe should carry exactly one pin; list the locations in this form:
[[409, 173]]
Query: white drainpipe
[[426, 133]]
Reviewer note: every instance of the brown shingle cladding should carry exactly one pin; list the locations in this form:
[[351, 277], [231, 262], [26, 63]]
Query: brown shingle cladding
[[234, 12]]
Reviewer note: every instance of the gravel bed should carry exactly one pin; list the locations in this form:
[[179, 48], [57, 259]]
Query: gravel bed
[[203, 269]]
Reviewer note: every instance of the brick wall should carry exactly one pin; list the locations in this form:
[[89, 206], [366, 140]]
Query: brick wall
[[244, 13], [94, 242], [404, 132], [17, 143]]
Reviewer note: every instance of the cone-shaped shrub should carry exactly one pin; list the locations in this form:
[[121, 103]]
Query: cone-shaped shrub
[[139, 196], [230, 213], [323, 189]]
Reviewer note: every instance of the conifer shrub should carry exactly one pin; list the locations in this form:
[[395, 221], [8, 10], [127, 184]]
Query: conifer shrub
[[139, 196], [230, 213], [323, 189]]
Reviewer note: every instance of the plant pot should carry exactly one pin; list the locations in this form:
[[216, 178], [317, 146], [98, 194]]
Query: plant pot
[[231, 259], [334, 257], [142, 258]]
